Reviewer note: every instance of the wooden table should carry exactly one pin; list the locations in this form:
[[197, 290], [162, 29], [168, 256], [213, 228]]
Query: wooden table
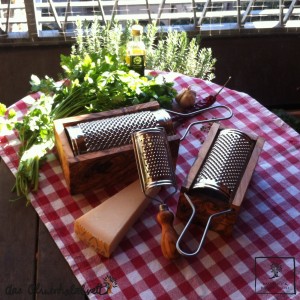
[[31, 264]]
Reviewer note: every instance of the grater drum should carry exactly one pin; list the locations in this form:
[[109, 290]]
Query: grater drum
[[217, 181], [156, 170], [107, 133], [225, 164], [153, 156], [116, 131]]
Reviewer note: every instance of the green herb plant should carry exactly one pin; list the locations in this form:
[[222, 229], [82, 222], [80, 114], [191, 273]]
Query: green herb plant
[[175, 51], [95, 78]]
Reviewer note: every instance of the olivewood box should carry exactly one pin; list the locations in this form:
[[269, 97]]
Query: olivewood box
[[104, 168]]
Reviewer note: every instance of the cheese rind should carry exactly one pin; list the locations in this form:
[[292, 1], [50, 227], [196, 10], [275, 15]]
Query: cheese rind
[[104, 226]]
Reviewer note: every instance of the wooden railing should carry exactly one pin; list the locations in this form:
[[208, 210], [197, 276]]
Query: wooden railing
[[38, 21]]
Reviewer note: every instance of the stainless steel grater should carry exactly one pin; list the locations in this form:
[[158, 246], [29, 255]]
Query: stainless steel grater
[[155, 167], [114, 131], [225, 163], [153, 157], [219, 177]]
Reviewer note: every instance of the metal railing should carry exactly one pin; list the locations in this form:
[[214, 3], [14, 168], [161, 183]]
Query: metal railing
[[37, 21]]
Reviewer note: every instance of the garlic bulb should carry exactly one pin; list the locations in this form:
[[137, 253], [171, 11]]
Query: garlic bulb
[[186, 98]]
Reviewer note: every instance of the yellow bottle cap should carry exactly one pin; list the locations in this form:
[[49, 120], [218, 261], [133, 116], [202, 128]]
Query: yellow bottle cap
[[136, 30]]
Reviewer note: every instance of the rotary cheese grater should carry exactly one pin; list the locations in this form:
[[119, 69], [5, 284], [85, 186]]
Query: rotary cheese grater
[[153, 157], [114, 132], [217, 181], [225, 163], [156, 170]]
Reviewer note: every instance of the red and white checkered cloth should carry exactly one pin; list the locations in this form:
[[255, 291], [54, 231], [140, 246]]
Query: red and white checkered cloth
[[267, 232]]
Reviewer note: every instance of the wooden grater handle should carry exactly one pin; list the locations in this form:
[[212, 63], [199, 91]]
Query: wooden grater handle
[[169, 236]]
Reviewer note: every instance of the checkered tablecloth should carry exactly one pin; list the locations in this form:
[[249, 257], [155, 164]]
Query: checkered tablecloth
[[261, 259]]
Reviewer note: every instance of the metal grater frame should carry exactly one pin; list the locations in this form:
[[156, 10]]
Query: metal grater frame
[[205, 207]]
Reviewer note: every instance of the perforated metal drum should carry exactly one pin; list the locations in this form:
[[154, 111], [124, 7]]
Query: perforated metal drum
[[225, 163], [115, 131], [154, 160]]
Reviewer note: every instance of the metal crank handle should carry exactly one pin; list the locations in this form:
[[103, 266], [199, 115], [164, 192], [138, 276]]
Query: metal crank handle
[[169, 235], [205, 230], [209, 120], [196, 112]]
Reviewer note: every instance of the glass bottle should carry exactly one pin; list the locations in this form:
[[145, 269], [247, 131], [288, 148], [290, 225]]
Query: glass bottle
[[136, 50]]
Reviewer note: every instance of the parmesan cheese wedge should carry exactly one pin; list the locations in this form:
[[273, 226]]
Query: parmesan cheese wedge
[[104, 226]]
